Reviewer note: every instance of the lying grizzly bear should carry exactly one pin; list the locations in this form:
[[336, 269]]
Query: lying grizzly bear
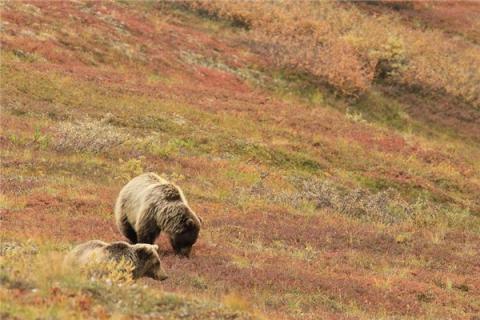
[[143, 257], [149, 204]]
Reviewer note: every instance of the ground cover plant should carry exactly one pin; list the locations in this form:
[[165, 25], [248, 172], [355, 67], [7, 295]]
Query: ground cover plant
[[344, 187]]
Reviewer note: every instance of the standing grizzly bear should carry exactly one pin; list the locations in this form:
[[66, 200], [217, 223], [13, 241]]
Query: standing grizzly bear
[[143, 257], [149, 204]]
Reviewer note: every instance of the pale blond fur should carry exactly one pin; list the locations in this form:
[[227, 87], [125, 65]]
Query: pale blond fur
[[148, 205], [143, 257]]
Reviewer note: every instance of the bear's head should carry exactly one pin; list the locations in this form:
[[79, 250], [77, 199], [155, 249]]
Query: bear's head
[[183, 239], [148, 262]]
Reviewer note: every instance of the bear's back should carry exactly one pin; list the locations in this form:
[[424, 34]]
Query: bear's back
[[165, 191], [133, 194], [149, 178], [120, 249], [86, 252], [144, 191]]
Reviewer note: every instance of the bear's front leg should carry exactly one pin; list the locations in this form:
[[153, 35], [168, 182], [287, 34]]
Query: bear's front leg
[[147, 236], [147, 231]]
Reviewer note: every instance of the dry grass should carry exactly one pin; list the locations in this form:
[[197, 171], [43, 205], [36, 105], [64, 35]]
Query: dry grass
[[36, 278], [88, 135]]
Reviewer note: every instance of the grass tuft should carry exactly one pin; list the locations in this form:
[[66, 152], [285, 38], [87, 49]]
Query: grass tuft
[[89, 135]]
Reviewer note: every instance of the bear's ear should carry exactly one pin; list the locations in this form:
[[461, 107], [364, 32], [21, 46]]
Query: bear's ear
[[144, 252], [144, 248]]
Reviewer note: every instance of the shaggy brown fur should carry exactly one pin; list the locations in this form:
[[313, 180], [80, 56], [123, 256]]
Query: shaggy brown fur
[[143, 257], [148, 205]]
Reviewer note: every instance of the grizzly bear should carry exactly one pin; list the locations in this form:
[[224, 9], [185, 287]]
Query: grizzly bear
[[143, 257], [148, 205]]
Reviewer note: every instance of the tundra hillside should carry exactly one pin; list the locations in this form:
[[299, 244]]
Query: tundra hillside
[[334, 158]]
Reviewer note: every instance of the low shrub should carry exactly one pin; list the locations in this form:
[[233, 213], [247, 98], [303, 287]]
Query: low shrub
[[89, 135], [386, 206]]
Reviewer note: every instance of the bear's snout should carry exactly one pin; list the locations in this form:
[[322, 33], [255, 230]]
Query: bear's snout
[[185, 252], [161, 275]]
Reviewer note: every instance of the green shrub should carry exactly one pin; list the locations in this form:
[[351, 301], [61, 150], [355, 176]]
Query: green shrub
[[392, 59]]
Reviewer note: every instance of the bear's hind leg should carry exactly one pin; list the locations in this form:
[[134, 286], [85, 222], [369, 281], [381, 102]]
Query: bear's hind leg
[[127, 230], [148, 235]]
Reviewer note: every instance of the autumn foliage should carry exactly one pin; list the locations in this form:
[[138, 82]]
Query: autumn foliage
[[349, 49]]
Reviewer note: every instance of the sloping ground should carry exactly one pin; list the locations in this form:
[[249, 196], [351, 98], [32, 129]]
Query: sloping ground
[[44, 289], [314, 206], [457, 18]]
